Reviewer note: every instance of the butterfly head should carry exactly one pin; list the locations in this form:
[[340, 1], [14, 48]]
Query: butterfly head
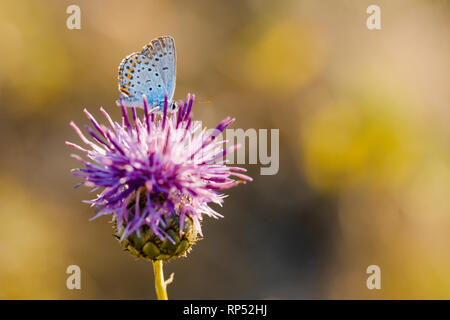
[[173, 106]]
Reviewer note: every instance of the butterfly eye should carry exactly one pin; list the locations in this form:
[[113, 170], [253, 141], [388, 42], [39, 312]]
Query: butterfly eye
[[174, 105]]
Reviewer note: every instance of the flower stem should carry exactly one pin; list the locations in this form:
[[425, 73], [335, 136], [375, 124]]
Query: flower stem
[[160, 284]]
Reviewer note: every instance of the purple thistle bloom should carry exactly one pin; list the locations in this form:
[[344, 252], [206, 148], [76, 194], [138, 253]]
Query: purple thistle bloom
[[155, 156]]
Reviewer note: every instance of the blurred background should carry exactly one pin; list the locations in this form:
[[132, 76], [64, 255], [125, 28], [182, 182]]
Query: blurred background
[[364, 172]]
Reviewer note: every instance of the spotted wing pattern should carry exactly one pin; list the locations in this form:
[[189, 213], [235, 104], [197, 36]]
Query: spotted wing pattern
[[151, 72]]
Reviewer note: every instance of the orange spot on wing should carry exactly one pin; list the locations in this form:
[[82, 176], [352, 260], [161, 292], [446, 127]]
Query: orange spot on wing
[[123, 90]]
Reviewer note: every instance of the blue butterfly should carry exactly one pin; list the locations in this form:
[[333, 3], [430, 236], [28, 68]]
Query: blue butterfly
[[151, 72]]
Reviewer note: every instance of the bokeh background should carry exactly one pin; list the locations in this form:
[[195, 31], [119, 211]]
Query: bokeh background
[[364, 146]]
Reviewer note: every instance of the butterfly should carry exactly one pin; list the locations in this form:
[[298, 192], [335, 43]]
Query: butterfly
[[151, 72]]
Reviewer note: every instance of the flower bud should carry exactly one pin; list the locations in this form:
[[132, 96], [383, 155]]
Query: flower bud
[[146, 244]]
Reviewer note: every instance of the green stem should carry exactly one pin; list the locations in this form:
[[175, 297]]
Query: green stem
[[160, 284]]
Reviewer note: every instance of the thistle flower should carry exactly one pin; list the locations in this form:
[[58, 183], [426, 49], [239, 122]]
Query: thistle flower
[[158, 174]]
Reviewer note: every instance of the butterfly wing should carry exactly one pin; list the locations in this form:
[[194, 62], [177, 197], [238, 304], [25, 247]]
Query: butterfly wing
[[163, 56], [151, 72], [137, 77]]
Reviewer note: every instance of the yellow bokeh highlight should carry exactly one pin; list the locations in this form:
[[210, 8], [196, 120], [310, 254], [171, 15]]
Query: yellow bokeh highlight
[[364, 139], [35, 64], [282, 59], [31, 246]]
